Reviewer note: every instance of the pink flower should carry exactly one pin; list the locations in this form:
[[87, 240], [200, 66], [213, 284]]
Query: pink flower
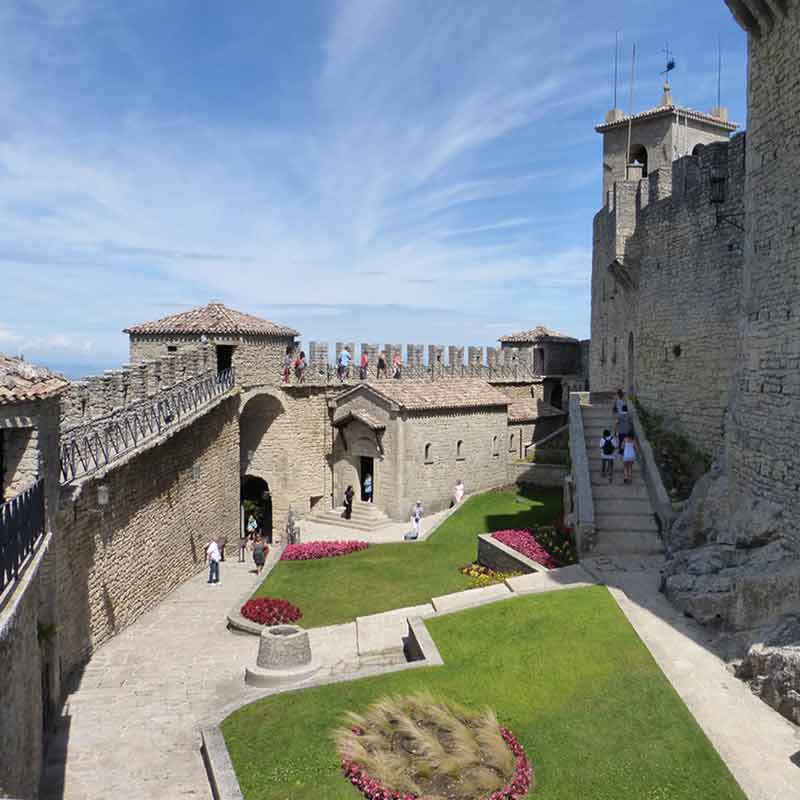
[[524, 541], [312, 550], [270, 611]]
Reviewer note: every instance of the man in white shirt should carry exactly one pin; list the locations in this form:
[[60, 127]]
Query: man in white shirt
[[213, 557]]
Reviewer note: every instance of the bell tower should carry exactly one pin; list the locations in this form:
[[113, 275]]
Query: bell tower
[[635, 145]]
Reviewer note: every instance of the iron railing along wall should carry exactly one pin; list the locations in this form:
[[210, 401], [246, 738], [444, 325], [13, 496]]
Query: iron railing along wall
[[87, 448], [22, 526]]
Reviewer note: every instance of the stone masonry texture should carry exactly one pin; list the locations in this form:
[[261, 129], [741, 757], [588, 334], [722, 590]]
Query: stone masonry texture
[[116, 561]]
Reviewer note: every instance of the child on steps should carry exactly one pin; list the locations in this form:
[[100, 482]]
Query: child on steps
[[629, 450], [608, 449]]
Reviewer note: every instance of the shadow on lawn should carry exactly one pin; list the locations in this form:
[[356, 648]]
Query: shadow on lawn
[[544, 509]]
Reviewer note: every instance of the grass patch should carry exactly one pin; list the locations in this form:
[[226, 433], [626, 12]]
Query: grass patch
[[564, 671], [386, 576]]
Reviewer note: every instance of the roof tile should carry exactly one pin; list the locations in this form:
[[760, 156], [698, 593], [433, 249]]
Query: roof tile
[[215, 318], [539, 333], [21, 381]]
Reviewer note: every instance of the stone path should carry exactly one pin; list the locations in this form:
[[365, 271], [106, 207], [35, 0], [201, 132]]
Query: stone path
[[131, 729]]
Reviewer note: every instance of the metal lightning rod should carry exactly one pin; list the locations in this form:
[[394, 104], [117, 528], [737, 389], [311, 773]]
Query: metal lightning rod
[[630, 112]]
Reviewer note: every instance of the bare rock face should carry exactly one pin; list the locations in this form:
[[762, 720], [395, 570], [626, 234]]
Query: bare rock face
[[731, 566], [772, 668]]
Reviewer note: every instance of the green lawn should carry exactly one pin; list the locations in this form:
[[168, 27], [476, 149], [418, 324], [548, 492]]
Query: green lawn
[[387, 576], [565, 671]]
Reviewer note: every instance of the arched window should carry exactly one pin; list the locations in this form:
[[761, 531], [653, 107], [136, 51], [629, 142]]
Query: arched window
[[495, 451], [428, 453], [511, 443], [639, 159], [460, 449]]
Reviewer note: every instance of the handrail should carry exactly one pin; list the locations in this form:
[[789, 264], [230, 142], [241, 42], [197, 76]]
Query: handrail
[[581, 476], [87, 448], [22, 525]]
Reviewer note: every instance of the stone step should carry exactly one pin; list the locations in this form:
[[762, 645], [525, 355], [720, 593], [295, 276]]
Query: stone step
[[630, 543], [622, 504], [621, 523], [334, 518], [602, 489], [361, 510]]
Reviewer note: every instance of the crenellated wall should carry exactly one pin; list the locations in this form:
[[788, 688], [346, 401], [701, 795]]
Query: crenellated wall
[[666, 290]]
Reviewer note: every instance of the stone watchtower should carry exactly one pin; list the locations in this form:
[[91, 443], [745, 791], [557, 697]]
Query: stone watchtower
[[657, 137]]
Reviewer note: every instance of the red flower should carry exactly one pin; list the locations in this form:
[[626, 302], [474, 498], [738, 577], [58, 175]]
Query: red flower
[[270, 611], [312, 550]]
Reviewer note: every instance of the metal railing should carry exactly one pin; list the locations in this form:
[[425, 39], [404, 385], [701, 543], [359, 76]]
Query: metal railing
[[87, 448], [328, 374], [22, 526]]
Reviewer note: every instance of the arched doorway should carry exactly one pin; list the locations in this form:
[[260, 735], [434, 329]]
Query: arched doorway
[[631, 354], [257, 503]]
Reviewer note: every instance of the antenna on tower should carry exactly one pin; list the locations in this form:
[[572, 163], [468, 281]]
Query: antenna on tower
[[616, 65], [719, 71], [630, 113]]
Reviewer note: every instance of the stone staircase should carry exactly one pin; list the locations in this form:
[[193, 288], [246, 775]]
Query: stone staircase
[[366, 517], [624, 520]]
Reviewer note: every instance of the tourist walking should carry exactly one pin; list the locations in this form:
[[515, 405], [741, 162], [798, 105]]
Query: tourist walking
[[397, 366], [213, 558], [608, 451], [381, 373], [300, 367], [619, 403], [367, 486], [628, 458], [221, 542], [344, 364], [287, 364], [363, 369], [416, 518], [259, 554], [348, 502], [458, 492], [624, 426]]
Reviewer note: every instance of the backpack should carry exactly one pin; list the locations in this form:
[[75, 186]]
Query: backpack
[[608, 447]]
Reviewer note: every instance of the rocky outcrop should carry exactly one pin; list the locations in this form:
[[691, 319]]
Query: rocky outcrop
[[772, 668], [731, 565]]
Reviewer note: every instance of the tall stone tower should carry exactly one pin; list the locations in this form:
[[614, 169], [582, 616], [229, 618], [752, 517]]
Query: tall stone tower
[[634, 146]]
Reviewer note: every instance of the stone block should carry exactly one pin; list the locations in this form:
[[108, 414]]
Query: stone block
[[471, 598], [571, 577]]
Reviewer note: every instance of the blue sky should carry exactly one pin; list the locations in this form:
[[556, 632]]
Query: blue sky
[[379, 170]]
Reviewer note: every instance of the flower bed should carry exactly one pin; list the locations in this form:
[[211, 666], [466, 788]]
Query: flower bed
[[481, 576], [311, 550], [432, 749], [524, 542], [270, 611]]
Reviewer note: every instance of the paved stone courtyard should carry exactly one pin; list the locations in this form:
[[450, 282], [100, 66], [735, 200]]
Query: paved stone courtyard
[[131, 728]]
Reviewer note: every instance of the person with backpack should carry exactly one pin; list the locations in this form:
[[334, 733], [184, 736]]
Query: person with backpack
[[608, 450]]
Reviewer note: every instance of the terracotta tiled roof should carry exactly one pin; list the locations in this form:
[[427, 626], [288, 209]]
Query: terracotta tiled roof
[[530, 409], [672, 109], [422, 395], [215, 318], [20, 381], [539, 333]]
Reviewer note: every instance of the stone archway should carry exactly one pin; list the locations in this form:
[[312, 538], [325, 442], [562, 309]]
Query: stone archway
[[256, 502]]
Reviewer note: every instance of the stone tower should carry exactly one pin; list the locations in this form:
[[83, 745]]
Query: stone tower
[[658, 137]]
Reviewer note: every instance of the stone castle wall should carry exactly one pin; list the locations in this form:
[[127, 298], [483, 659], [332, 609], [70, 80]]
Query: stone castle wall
[[481, 461], [116, 561], [666, 290]]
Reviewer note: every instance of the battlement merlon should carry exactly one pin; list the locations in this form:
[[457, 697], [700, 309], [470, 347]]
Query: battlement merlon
[[710, 182], [757, 17]]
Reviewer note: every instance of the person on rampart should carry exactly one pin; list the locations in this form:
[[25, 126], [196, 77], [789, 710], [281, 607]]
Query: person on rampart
[[363, 369], [287, 364], [348, 502], [381, 373], [397, 366], [629, 452], [213, 558], [300, 367], [344, 364], [608, 451]]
